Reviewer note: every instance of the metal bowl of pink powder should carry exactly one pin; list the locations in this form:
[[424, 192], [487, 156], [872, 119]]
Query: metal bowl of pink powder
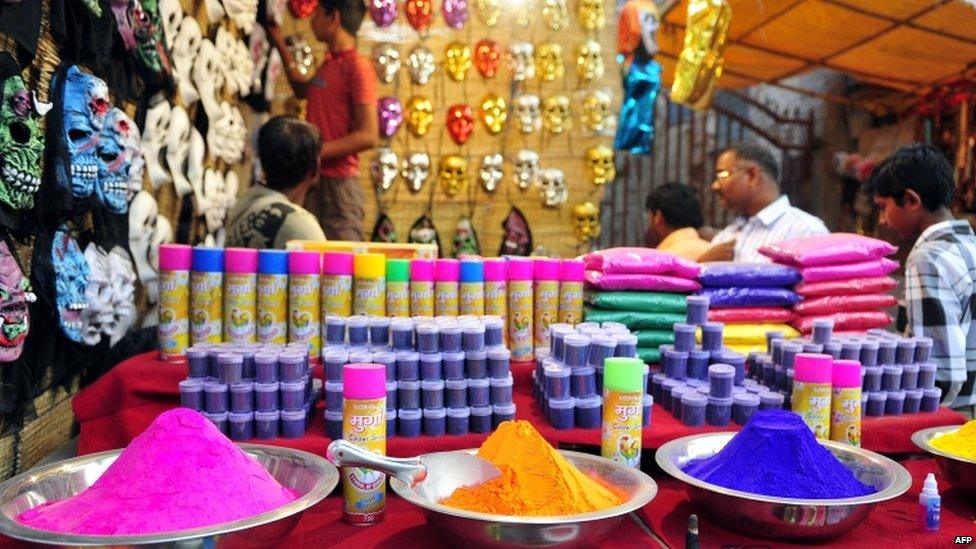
[[959, 471], [779, 517], [311, 477]]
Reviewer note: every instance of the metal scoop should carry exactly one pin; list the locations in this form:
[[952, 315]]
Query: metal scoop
[[432, 476]]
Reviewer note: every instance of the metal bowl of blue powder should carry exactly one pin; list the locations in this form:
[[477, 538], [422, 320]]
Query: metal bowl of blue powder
[[775, 480]]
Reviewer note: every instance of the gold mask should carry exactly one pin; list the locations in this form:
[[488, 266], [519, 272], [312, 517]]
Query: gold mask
[[599, 163], [494, 112], [590, 14], [586, 222], [420, 114], [555, 14], [458, 61], [589, 61], [453, 174], [557, 117], [488, 11], [596, 110], [549, 62]]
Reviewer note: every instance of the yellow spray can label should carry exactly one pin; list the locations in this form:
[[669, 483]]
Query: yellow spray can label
[[546, 309], [304, 322], [364, 490], [336, 295], [472, 298], [811, 401], [174, 314], [206, 307], [446, 298], [240, 307], [272, 308], [845, 415], [421, 298], [571, 302], [496, 301], [369, 296], [520, 319], [621, 437], [397, 298]]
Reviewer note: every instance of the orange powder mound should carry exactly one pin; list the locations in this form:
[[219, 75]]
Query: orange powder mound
[[535, 480]]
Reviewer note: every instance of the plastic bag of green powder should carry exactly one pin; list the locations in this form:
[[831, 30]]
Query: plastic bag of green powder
[[653, 302], [654, 338], [635, 320], [648, 355]]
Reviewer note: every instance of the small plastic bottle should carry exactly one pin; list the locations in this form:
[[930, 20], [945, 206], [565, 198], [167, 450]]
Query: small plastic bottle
[[398, 287], [364, 424], [471, 295], [546, 301], [173, 329], [304, 322], [422, 287], [496, 290], [240, 295], [930, 505], [571, 275], [272, 301], [446, 275], [623, 403], [369, 285], [206, 296], [520, 308]]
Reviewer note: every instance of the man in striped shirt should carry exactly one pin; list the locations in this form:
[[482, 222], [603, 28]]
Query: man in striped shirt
[[747, 182], [913, 190]]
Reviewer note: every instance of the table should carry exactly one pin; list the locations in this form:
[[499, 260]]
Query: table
[[123, 402]]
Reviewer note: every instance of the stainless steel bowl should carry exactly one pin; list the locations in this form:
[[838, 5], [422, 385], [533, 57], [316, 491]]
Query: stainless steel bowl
[[959, 471], [469, 529], [783, 518], [309, 475]]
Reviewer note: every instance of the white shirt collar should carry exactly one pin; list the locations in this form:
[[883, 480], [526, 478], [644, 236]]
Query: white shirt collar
[[768, 215]]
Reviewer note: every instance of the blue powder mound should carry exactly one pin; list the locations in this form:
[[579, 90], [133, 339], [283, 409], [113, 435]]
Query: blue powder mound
[[776, 454]]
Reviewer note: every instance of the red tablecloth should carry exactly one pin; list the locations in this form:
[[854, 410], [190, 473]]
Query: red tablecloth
[[121, 404], [891, 525]]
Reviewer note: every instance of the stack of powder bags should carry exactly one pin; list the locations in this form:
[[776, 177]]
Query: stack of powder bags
[[641, 288], [252, 390], [568, 375], [445, 375], [750, 299], [705, 384], [845, 277]]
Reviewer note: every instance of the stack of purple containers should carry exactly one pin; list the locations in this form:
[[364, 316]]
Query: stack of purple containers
[[251, 390], [445, 375]]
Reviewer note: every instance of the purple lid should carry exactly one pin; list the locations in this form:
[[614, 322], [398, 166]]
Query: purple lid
[[772, 397], [566, 403], [721, 371], [716, 401], [745, 399], [694, 398], [878, 395], [191, 385]]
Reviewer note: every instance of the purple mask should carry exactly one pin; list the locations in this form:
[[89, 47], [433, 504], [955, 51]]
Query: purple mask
[[383, 12], [455, 13], [390, 115]]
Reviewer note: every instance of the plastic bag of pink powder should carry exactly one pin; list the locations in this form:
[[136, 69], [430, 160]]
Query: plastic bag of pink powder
[[874, 267], [830, 249], [640, 282], [854, 286], [751, 315], [640, 261], [839, 304], [856, 321]]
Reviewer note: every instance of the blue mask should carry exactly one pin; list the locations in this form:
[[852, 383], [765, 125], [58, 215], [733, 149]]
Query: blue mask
[[635, 128], [113, 163], [70, 278], [84, 104]]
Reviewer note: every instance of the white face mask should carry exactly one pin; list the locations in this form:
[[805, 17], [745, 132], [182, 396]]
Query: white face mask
[[215, 11], [153, 139], [123, 294], [178, 148], [143, 229], [241, 67], [132, 151], [213, 196], [226, 53], [97, 295], [227, 134], [194, 169], [208, 76], [171, 14], [243, 12], [184, 51]]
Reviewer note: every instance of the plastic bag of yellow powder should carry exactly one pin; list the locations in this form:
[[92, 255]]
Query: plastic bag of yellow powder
[[961, 443], [535, 480]]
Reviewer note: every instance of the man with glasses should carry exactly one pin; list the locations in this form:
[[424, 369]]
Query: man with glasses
[[747, 183]]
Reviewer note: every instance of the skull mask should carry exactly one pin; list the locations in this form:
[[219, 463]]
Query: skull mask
[[421, 64], [178, 147], [491, 172], [83, 108], [244, 13], [589, 61], [420, 115], [488, 11], [114, 162], [549, 62], [555, 14], [97, 295], [226, 138], [185, 49], [145, 235], [194, 170], [170, 15], [458, 61], [383, 169], [15, 294], [557, 117], [214, 193], [596, 110], [386, 59], [416, 170], [154, 139], [494, 112], [552, 188], [453, 174], [586, 222], [527, 168], [71, 280], [599, 161], [208, 76], [21, 144], [521, 62], [123, 294], [591, 14], [132, 150], [526, 110], [151, 51]]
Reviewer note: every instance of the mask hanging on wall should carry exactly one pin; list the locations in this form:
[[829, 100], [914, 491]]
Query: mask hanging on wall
[[423, 231], [494, 112], [555, 14], [178, 148], [552, 188], [525, 13], [489, 11], [491, 172], [700, 62], [384, 230], [642, 80], [460, 122], [596, 110], [390, 115], [419, 14], [153, 140], [458, 61], [383, 170], [586, 222], [527, 169], [84, 105], [302, 9], [15, 296], [453, 174], [123, 294], [185, 49], [242, 67], [224, 44], [71, 280], [487, 57], [465, 238], [150, 52], [589, 61], [215, 10], [214, 192], [114, 162], [120, 8], [421, 64], [557, 118], [21, 144], [420, 115], [416, 171], [455, 13], [243, 13], [260, 49], [549, 62], [208, 77], [170, 16], [147, 230], [600, 165], [382, 12], [386, 59], [591, 14], [226, 136], [194, 168], [97, 296], [521, 61], [527, 113], [517, 239]]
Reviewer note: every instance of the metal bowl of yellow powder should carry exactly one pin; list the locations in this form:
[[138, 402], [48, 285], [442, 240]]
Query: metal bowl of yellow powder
[[954, 449]]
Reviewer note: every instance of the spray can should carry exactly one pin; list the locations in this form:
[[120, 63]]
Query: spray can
[[930, 505], [206, 295], [520, 308], [446, 274], [240, 295], [364, 424], [496, 290], [272, 308], [811, 391], [571, 275], [369, 285], [546, 298], [845, 402], [398, 287], [173, 330], [421, 287], [472, 289], [623, 408], [304, 271], [337, 284]]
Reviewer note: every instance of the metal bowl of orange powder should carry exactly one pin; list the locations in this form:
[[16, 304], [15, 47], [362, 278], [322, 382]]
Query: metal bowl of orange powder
[[959, 471], [467, 528]]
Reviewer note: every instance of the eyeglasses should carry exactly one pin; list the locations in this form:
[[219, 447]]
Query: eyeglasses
[[723, 175]]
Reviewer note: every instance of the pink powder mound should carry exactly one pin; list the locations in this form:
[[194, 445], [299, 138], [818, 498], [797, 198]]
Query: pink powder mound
[[179, 473]]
